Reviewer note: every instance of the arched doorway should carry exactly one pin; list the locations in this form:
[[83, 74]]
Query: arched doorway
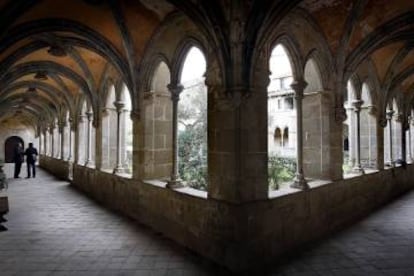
[[9, 146]]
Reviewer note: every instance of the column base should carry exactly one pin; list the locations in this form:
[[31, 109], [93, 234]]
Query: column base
[[358, 170], [118, 170], [300, 183], [174, 184]]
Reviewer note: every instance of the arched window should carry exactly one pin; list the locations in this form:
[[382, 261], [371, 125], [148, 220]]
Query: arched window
[[278, 137], [286, 137], [192, 121], [282, 163]]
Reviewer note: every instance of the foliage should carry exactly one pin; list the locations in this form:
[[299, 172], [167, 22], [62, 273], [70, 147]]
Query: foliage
[[280, 171], [192, 137]]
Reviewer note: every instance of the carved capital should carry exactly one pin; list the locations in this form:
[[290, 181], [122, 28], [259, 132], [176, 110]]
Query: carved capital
[[89, 115], [119, 106], [175, 90], [389, 113], [299, 86], [357, 104]]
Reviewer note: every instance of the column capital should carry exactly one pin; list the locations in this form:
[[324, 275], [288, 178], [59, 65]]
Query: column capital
[[389, 113], [119, 105], [61, 126], [89, 115], [299, 86], [357, 104], [175, 90]]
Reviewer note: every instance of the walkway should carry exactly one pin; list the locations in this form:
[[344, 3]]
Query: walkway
[[54, 230]]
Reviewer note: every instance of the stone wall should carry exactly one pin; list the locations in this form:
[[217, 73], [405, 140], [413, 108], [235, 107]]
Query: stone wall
[[242, 235]]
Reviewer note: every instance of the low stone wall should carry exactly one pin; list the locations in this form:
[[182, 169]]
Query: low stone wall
[[250, 234], [57, 167]]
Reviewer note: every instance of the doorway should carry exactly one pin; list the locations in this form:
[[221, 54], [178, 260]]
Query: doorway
[[9, 146]]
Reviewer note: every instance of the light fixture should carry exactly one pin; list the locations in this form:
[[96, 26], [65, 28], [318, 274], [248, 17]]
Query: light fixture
[[41, 75], [57, 51]]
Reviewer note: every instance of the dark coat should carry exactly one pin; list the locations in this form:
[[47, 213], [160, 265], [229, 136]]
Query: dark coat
[[18, 156], [31, 155]]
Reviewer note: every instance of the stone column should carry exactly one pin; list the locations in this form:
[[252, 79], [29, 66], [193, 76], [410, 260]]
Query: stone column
[[71, 127], [299, 181], [52, 133], [89, 117], [357, 109], [404, 127], [62, 126], [45, 142], [410, 156], [175, 90], [119, 110], [389, 115]]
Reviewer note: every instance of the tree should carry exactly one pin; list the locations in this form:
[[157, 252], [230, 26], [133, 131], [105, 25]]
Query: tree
[[192, 135]]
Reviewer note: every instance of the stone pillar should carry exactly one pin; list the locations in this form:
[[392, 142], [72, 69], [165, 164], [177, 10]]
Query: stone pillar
[[351, 135], [45, 148], [89, 117], [299, 182], [357, 109], [52, 133], [62, 126], [119, 110], [175, 91], [71, 128], [381, 124], [390, 114], [404, 139], [410, 156]]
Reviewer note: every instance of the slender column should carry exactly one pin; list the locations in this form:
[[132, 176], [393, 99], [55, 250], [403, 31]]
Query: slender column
[[89, 140], [51, 132], [357, 109], [40, 143], [175, 91], [389, 114], [410, 156], [45, 142], [62, 126], [299, 181], [403, 139], [70, 140], [119, 110]]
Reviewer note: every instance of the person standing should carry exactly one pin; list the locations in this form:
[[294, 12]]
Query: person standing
[[18, 158], [31, 157]]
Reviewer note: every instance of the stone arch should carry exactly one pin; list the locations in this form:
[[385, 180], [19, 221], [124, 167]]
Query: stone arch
[[181, 54], [9, 146], [291, 48], [161, 77], [312, 76]]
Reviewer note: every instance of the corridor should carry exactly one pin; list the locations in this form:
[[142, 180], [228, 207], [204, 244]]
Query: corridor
[[55, 230]]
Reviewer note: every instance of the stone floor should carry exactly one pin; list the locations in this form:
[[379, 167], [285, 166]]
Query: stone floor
[[54, 230]]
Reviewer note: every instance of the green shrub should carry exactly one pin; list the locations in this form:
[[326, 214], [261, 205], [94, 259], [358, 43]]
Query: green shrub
[[280, 170]]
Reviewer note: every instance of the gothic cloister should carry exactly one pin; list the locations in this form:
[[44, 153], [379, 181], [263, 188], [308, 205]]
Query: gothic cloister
[[170, 112]]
